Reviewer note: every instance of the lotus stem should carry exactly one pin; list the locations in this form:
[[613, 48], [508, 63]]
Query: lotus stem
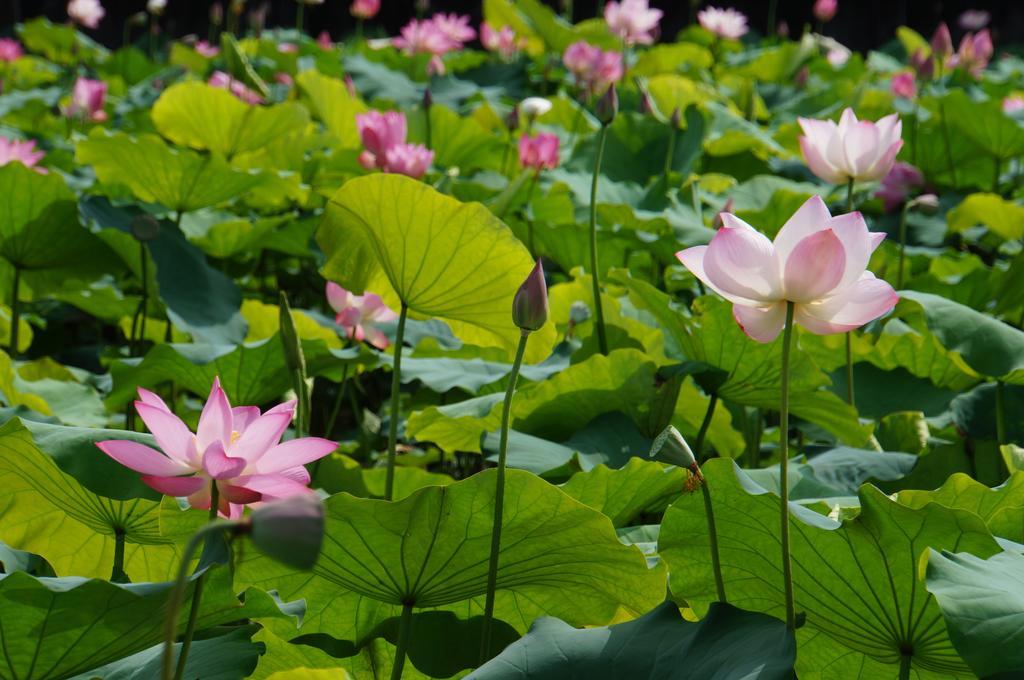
[[848, 334], [295, 361], [905, 661], [773, 6], [396, 387], [333, 418], [15, 312], [698, 445], [787, 567], [709, 512], [998, 172], [903, 245], [948, 144], [404, 633], [602, 338], [1000, 412], [670, 152], [499, 500], [299, 11], [117, 574], [695, 197], [529, 221]]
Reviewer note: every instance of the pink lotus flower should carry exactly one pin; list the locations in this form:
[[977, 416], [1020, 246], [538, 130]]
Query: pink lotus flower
[[360, 314], [23, 152], [1013, 103], [288, 48], [942, 42], [632, 20], [825, 10], [87, 100], [904, 85], [455, 26], [86, 13], [379, 132], [922, 63], [10, 50], [593, 68], [222, 80], [411, 160], [235, 448], [503, 41], [323, 40], [539, 151], [854, 149], [426, 37], [974, 53], [817, 261], [364, 9], [206, 49], [973, 19], [283, 78], [898, 184], [725, 23]]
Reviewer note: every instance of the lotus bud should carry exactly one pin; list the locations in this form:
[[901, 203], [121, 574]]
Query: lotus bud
[[138, 19], [922, 63], [607, 106], [644, 106], [578, 313], [676, 120], [290, 531], [428, 99], [942, 42], [782, 30], [670, 447], [216, 14], [512, 119], [530, 305], [145, 228], [925, 203]]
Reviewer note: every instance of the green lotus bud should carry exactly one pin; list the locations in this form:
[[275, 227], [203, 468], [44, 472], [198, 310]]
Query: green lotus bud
[[670, 447], [290, 531], [676, 120], [530, 305], [607, 106], [428, 99]]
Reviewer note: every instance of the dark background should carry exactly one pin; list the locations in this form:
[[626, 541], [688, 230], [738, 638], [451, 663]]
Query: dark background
[[860, 24]]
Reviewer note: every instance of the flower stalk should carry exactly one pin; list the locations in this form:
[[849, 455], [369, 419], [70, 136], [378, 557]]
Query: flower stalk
[[602, 337], [903, 245], [15, 312], [404, 633], [849, 334], [396, 387], [787, 566]]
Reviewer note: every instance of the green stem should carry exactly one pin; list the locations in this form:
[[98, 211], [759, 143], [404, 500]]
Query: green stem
[[754, 431], [404, 633], [15, 312], [499, 501], [787, 566], [299, 15], [396, 388], [197, 594], [849, 341], [426, 120], [529, 220], [997, 174], [698, 445], [695, 197], [773, 6], [602, 338], [716, 563], [670, 152], [903, 245], [178, 594], [905, 660], [337, 402], [949, 146], [1000, 412], [118, 575]]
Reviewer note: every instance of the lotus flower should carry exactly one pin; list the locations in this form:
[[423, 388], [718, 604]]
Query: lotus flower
[[974, 53], [632, 20], [87, 100], [725, 23], [825, 10], [323, 40], [411, 160], [379, 132], [539, 151], [1013, 103], [237, 449], [86, 13], [206, 49], [594, 68], [222, 80], [455, 26], [817, 261], [360, 314], [364, 9], [10, 50], [942, 42], [973, 19], [503, 41], [534, 107], [23, 152], [426, 37], [903, 85], [902, 180], [854, 149]]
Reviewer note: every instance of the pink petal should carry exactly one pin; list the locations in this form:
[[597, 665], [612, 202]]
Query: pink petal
[[817, 162], [337, 297], [243, 416], [761, 323], [376, 337], [815, 267], [261, 436], [693, 259], [741, 261], [858, 244], [177, 486], [294, 452], [219, 465], [272, 486], [811, 217], [883, 165], [141, 458], [235, 494], [862, 147], [299, 473], [215, 422], [864, 301], [147, 397], [171, 435]]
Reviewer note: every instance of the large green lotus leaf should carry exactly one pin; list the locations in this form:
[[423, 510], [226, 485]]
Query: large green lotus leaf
[[713, 337], [330, 101], [1002, 508], [12, 396], [224, 657], [443, 373], [337, 472], [499, 13], [59, 627], [179, 179], [208, 118], [432, 549], [458, 142], [857, 583], [928, 152], [984, 124], [39, 227], [660, 645], [987, 345], [410, 244], [920, 353], [838, 472], [252, 374], [670, 58], [983, 605], [637, 487], [1002, 217], [47, 512], [59, 43]]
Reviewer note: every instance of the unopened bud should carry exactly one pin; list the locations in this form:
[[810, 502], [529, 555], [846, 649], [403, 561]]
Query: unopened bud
[[676, 120], [290, 531], [578, 312], [216, 14], [428, 99], [145, 228], [922, 63], [138, 19], [607, 106], [925, 203], [670, 447], [530, 305], [942, 42], [512, 119], [782, 30]]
